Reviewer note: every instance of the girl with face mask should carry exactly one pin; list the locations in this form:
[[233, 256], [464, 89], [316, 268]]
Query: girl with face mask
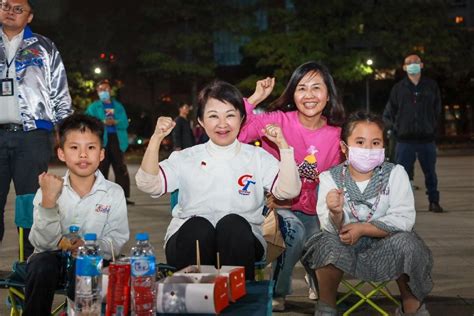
[[367, 212]]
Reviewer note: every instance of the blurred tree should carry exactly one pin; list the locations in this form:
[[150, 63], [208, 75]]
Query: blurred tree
[[81, 89], [92, 34], [178, 42], [309, 30], [99, 33], [172, 42], [343, 34]]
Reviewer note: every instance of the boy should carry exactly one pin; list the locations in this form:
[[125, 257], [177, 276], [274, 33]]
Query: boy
[[83, 198]]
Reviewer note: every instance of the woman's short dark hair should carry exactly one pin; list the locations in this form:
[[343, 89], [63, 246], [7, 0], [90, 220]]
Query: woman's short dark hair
[[224, 92], [334, 110], [357, 117], [82, 123]]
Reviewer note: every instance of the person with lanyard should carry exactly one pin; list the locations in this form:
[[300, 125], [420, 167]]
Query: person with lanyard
[[367, 213], [34, 97], [113, 114]]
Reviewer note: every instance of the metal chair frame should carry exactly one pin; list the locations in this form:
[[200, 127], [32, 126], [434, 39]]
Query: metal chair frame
[[16, 289], [377, 287]]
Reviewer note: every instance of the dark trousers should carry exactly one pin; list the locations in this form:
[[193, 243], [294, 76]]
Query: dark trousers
[[406, 154], [115, 157], [23, 156], [46, 273], [232, 238]]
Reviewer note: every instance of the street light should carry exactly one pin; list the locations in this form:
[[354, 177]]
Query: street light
[[369, 63], [97, 70]]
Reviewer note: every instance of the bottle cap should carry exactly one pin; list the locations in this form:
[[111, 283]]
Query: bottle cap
[[73, 228], [90, 236], [141, 236]]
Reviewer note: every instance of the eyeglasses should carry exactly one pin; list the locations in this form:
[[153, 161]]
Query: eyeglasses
[[16, 9]]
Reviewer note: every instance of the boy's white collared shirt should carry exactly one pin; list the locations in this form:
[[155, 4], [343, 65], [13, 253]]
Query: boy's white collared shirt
[[102, 211]]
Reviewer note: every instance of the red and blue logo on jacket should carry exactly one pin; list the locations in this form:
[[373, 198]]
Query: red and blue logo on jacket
[[245, 182]]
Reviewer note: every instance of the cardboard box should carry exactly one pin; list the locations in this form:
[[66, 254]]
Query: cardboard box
[[235, 277], [180, 294]]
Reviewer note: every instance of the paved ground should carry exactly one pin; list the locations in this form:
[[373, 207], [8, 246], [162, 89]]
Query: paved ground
[[449, 235]]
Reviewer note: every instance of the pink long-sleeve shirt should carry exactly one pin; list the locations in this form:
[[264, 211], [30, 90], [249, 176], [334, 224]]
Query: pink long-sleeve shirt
[[315, 150]]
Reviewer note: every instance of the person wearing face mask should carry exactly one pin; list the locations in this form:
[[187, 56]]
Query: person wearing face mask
[[112, 113], [412, 113], [367, 212]]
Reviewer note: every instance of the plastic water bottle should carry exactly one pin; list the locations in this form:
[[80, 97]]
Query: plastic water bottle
[[73, 234], [88, 278], [142, 259], [70, 238]]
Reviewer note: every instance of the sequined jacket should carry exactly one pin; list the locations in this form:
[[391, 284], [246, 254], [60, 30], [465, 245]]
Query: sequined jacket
[[43, 93]]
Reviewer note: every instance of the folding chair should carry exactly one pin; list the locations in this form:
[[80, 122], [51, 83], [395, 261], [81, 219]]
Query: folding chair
[[23, 219], [174, 199], [15, 284], [377, 288]]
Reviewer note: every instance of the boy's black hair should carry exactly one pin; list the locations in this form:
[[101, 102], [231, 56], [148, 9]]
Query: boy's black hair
[[224, 92], [357, 117], [80, 122]]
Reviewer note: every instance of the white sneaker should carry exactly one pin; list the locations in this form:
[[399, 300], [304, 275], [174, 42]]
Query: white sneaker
[[323, 309], [278, 304], [422, 311], [312, 295]]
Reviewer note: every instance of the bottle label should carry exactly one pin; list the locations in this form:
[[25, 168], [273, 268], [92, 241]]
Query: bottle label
[[143, 266], [88, 265]]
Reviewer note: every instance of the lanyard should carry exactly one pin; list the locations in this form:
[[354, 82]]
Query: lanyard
[[9, 63]]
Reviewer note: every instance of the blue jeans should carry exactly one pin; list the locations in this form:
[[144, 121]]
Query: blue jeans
[[406, 154], [296, 228]]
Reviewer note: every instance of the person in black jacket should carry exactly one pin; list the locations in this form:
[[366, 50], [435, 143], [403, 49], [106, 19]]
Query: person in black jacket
[[412, 111], [183, 136]]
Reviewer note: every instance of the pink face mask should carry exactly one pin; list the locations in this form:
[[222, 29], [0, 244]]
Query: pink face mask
[[365, 160]]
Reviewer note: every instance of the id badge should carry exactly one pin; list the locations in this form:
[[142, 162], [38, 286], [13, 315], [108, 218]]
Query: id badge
[[7, 87]]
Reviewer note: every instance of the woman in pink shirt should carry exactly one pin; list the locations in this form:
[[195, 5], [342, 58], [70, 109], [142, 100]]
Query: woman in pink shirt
[[309, 112]]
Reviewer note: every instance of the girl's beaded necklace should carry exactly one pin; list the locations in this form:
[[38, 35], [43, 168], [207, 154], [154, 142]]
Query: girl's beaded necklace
[[354, 212]]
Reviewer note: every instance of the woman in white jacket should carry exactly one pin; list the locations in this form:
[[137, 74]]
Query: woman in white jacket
[[221, 183]]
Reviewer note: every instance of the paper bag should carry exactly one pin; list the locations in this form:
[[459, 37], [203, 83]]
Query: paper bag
[[190, 295], [235, 277], [273, 236]]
